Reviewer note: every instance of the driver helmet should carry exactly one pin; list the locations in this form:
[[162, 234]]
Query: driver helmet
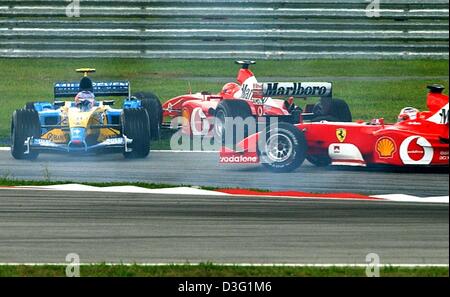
[[407, 113], [231, 91], [86, 93], [85, 97]]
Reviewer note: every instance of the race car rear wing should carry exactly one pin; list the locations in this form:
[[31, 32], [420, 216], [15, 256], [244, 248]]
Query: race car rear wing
[[101, 89], [293, 89]]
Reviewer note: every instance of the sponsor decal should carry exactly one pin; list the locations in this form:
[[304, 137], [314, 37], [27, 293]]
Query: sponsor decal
[[56, 137], [336, 149], [345, 154], [297, 89], [250, 90], [76, 132], [113, 141], [385, 148], [416, 150], [239, 158], [247, 93], [441, 117], [260, 110], [444, 115], [77, 120], [444, 156], [341, 134], [44, 142]]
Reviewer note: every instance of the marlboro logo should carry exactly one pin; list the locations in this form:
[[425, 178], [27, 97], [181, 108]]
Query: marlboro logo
[[247, 93], [298, 89]]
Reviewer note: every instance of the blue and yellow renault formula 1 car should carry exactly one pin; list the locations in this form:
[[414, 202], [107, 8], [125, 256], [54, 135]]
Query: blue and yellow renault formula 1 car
[[87, 124]]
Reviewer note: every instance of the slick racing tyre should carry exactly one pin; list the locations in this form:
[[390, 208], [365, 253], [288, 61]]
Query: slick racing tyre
[[30, 105], [224, 130], [283, 149], [332, 110], [135, 126], [25, 123], [152, 104], [319, 160]]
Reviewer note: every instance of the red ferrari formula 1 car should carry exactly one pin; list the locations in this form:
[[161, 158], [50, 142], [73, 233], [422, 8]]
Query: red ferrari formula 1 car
[[419, 138], [203, 114]]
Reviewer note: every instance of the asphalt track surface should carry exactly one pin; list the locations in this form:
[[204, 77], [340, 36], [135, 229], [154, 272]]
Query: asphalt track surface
[[44, 226], [203, 169]]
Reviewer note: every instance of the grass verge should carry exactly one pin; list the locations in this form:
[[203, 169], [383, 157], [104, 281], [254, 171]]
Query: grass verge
[[213, 270], [6, 181], [373, 88]]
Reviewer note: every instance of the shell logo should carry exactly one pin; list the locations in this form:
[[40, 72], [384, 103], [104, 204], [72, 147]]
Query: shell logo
[[385, 147]]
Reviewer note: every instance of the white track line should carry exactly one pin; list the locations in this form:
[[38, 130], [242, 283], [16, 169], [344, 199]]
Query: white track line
[[235, 264], [202, 192], [126, 189], [409, 198]]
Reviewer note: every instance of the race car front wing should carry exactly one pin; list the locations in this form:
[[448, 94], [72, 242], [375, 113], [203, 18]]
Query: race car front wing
[[46, 145]]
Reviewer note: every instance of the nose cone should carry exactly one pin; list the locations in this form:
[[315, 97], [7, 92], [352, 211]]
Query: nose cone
[[77, 135]]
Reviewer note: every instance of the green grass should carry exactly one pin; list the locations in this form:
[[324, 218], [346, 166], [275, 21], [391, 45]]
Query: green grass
[[212, 270], [32, 79], [8, 181]]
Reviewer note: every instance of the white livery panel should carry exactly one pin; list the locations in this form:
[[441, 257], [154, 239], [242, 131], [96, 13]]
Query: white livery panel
[[297, 89]]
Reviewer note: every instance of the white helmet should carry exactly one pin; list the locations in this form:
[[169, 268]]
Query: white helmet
[[407, 113]]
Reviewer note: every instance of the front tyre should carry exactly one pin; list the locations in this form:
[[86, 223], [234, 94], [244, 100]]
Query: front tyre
[[283, 149], [135, 126], [24, 124], [231, 110], [151, 103]]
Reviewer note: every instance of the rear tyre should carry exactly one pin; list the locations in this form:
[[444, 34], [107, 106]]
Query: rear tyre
[[135, 126], [30, 106], [25, 123], [283, 149], [228, 110], [151, 103], [336, 110]]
